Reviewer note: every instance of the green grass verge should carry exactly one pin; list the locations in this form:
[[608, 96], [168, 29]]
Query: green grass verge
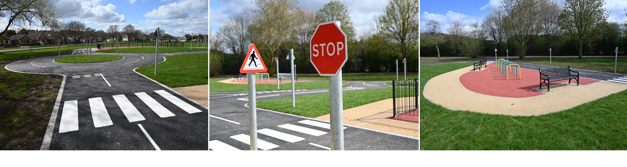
[[374, 77], [21, 55], [597, 125], [603, 65], [151, 50], [432, 60], [224, 87], [180, 70], [86, 59]]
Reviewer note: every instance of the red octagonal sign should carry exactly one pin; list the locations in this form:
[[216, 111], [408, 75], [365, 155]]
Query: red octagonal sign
[[328, 49]]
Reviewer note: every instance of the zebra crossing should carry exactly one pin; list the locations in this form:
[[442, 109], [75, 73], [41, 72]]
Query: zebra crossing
[[288, 133], [86, 76], [100, 116], [620, 80]]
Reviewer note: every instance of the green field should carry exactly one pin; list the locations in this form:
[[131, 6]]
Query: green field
[[151, 50], [603, 65], [224, 87], [180, 70], [435, 60], [373, 77], [21, 55], [597, 125], [86, 59]]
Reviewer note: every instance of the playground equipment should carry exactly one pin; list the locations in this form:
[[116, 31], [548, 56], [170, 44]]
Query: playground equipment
[[262, 77], [508, 67]]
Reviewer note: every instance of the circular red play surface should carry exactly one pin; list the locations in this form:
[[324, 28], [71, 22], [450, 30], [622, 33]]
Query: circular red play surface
[[492, 82]]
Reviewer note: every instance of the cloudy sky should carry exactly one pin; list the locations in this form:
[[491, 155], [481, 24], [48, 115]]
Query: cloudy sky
[[177, 17], [468, 12], [363, 12]]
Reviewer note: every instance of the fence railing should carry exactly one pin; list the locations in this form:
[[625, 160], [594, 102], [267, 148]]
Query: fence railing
[[140, 44], [405, 97]]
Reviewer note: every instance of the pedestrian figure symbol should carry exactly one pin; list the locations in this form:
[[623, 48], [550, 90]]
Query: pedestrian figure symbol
[[252, 59]]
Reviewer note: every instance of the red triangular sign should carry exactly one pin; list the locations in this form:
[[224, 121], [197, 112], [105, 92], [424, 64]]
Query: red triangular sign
[[404, 60], [253, 62]]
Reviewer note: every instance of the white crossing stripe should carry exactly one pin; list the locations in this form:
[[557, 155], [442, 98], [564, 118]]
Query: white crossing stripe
[[280, 135], [303, 129], [178, 102], [99, 112], [69, 119], [129, 110], [621, 80], [76, 76], [316, 124], [261, 144], [216, 145], [88, 75], [97, 74], [154, 105]]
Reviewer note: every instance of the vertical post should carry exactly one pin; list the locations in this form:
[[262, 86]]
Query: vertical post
[[89, 50], [252, 106], [495, 57], [507, 54], [396, 68], [192, 44], [277, 73], [293, 89], [336, 109], [405, 68], [616, 59], [156, 51], [59, 46], [394, 98], [118, 43], [416, 92], [550, 55]]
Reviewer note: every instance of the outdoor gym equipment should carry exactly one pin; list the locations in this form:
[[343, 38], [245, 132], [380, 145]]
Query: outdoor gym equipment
[[508, 67], [262, 77]]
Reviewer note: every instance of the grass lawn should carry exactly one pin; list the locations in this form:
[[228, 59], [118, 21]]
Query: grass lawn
[[603, 65], [374, 77], [597, 125], [85, 58], [151, 50], [318, 105], [436, 60], [21, 55], [216, 86], [180, 70]]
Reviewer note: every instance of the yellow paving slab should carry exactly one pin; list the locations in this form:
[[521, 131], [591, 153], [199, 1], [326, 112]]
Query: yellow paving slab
[[198, 93], [447, 91]]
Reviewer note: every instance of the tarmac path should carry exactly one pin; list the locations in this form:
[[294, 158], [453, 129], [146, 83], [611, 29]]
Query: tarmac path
[[108, 106], [280, 131]]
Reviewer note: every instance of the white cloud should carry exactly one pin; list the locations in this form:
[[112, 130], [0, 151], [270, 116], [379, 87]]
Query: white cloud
[[617, 10], [192, 24], [89, 11], [447, 20], [179, 9], [493, 4], [132, 1]]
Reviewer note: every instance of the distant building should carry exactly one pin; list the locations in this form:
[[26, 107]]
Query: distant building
[[20, 40], [5, 41]]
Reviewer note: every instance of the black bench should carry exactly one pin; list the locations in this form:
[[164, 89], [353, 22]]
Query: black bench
[[557, 73], [479, 64], [237, 77]]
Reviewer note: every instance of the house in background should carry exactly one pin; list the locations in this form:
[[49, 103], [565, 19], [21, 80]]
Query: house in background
[[37, 37], [5, 41], [20, 40], [125, 38]]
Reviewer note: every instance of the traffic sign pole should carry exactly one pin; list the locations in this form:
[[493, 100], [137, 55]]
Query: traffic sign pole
[[293, 88], [156, 51], [550, 55], [192, 44], [616, 59], [252, 106], [507, 50], [89, 49], [495, 58], [336, 104], [277, 73], [405, 68], [118, 41], [396, 69]]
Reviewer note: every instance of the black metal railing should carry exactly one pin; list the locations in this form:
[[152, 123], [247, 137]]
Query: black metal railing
[[405, 97]]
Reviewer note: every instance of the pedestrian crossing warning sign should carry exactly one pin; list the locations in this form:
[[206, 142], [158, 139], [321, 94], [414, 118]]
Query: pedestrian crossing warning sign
[[253, 62]]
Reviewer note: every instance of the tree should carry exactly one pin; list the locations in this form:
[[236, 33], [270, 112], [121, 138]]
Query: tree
[[9, 33], [472, 45], [274, 24], [235, 32], [494, 25], [216, 41], [434, 29], [523, 23], [401, 22], [75, 29], [23, 31], [456, 35], [27, 12], [114, 31], [129, 30], [580, 19], [304, 27], [337, 11], [549, 22]]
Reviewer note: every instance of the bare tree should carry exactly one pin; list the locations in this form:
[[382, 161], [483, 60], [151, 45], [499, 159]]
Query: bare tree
[[235, 33], [76, 29], [129, 30], [401, 22], [494, 25], [580, 19], [434, 29], [114, 31], [27, 12], [274, 25], [337, 11], [524, 22], [304, 27], [549, 22], [456, 34], [472, 45], [217, 40]]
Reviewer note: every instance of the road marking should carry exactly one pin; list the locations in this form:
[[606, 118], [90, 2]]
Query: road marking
[[131, 62], [316, 124], [261, 144], [76, 76], [216, 145], [154, 105], [142, 57], [104, 79], [621, 80], [69, 117], [45, 143], [280, 135], [32, 63], [83, 67], [88, 75], [178, 102], [149, 138], [317, 145], [303, 129], [311, 92], [224, 119], [99, 112], [129, 110], [99, 74], [246, 98]]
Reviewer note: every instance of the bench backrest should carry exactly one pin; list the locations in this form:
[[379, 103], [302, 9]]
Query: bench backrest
[[556, 71]]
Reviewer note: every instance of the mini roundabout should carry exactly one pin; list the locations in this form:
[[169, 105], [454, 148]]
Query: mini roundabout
[[505, 88]]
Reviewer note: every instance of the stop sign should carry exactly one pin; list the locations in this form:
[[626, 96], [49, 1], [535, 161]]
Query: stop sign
[[328, 50]]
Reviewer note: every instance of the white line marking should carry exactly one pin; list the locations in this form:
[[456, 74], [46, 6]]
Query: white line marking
[[316, 124], [142, 57], [258, 97], [104, 79], [99, 112], [88, 75], [154, 105], [69, 117], [149, 138], [83, 67], [45, 143], [76, 76], [261, 144], [32, 63], [618, 82], [131, 62], [216, 145], [311, 92], [314, 144], [178, 102], [99, 74], [303, 129], [131, 113], [280, 135], [224, 119]]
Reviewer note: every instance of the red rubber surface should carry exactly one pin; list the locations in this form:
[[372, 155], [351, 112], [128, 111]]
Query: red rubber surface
[[245, 81], [408, 118], [492, 82]]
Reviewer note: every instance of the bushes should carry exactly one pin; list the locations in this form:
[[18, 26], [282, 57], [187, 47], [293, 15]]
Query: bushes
[[216, 59]]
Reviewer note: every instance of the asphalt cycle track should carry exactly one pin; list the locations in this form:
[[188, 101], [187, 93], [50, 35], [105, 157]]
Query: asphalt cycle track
[[229, 121], [109, 106]]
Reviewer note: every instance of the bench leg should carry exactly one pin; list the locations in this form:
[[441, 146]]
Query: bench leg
[[548, 86]]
